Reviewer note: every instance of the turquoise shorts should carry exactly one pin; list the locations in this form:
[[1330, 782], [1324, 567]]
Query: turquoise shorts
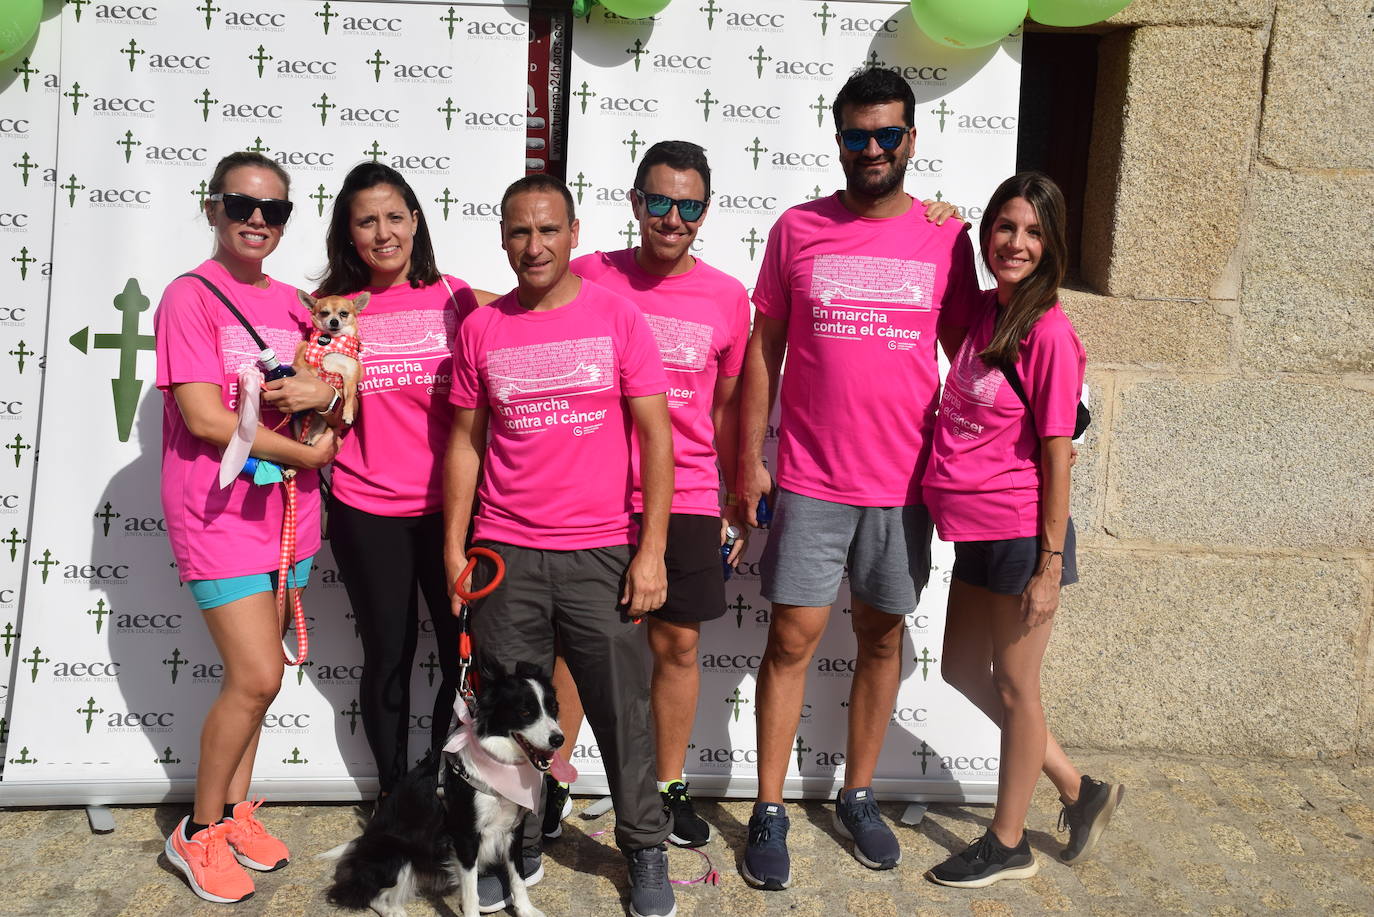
[[212, 593]]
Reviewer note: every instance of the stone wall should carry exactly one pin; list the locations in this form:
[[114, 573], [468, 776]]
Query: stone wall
[[1225, 497]]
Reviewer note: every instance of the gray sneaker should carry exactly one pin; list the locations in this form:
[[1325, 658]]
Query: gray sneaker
[[1087, 818], [651, 894], [493, 888], [857, 818]]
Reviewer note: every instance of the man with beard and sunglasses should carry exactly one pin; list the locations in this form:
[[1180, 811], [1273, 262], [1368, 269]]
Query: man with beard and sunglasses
[[853, 289]]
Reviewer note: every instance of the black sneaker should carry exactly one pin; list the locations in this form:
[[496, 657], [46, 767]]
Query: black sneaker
[[1087, 818], [986, 861], [857, 818], [493, 888], [766, 864], [651, 894], [689, 828], [557, 806]]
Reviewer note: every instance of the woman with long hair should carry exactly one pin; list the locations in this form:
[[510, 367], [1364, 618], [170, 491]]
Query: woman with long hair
[[997, 485], [227, 540], [386, 506]]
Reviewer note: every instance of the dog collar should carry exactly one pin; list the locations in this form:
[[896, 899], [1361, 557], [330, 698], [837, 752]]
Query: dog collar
[[520, 782]]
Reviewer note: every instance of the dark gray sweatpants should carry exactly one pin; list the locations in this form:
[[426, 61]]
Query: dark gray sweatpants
[[574, 593]]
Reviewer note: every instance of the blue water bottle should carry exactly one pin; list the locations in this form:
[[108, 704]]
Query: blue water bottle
[[731, 536], [272, 368]]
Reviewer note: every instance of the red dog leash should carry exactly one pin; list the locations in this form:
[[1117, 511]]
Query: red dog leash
[[464, 635], [285, 566]]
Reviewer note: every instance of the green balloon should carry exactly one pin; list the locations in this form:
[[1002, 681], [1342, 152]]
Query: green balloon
[[968, 23], [635, 9], [1067, 13], [18, 24]]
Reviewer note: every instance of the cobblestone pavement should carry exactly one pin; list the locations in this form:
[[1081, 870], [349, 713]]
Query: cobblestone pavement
[[1193, 836]]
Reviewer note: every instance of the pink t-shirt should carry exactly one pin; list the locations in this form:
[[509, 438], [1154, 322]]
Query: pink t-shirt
[[861, 298], [392, 463], [235, 531], [983, 482], [701, 322], [557, 469]]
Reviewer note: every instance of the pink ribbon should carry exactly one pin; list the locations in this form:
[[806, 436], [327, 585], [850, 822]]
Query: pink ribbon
[[519, 782], [236, 452]]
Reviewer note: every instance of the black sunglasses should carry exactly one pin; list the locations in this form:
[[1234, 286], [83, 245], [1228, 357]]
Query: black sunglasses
[[856, 139], [240, 207], [658, 205]]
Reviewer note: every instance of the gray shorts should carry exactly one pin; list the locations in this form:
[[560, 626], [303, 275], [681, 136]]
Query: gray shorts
[[887, 550], [1006, 566]]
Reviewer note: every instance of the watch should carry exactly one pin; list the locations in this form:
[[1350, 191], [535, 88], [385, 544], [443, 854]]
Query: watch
[[333, 403]]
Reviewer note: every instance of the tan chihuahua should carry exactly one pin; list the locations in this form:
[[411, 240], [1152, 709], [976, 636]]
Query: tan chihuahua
[[333, 352]]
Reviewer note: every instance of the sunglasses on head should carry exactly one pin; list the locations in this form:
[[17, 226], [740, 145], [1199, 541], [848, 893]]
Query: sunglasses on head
[[856, 139], [658, 205], [240, 207]]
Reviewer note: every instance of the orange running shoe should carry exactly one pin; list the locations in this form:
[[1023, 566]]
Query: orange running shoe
[[208, 863], [253, 845]]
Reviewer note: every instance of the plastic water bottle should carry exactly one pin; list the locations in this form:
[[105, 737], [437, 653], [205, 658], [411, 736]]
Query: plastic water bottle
[[763, 512], [272, 368], [731, 536]]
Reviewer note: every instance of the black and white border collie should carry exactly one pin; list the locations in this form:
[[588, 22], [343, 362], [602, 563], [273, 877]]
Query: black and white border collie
[[442, 823]]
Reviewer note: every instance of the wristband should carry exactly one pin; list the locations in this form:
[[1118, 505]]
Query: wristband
[[732, 499], [333, 403]]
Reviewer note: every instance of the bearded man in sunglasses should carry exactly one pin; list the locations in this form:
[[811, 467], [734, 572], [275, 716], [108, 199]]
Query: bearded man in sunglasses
[[853, 289]]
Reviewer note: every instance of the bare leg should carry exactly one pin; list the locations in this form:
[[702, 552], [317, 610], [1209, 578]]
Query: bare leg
[[873, 693], [793, 634], [674, 691], [569, 704]]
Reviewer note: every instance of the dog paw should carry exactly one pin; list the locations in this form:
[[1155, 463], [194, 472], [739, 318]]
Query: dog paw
[[530, 911]]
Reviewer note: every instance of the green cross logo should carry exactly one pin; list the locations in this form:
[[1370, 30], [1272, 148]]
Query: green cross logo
[[261, 57], [448, 110], [14, 541], [176, 661], [942, 111], [10, 636], [581, 184], [90, 710], [25, 71], [319, 197], [20, 353], [300, 669], [706, 102], [130, 303], [584, 95], [18, 446], [431, 664], [634, 143], [710, 9], [76, 95], [79, 4], [166, 757], [447, 200], [630, 232], [133, 51], [46, 562], [296, 752], [739, 607], [816, 194], [638, 51], [872, 60], [34, 662], [376, 152], [820, 108], [204, 101], [377, 63], [24, 165], [352, 713], [100, 611], [257, 146], [452, 19], [325, 15], [939, 195], [202, 192], [71, 187], [923, 753], [759, 58], [128, 143], [23, 260], [752, 240], [824, 16], [735, 700], [209, 9], [323, 105], [925, 659], [756, 148], [802, 748], [24, 752], [106, 516]]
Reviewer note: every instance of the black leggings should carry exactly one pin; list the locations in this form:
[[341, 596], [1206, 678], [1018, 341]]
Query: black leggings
[[382, 559]]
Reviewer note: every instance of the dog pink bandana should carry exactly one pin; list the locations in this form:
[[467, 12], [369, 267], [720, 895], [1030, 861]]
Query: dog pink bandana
[[519, 782]]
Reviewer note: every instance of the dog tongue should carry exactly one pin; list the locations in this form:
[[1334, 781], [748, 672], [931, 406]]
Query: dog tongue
[[561, 770]]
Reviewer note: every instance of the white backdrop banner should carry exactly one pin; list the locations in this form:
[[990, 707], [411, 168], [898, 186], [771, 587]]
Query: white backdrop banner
[[753, 82], [114, 670]]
